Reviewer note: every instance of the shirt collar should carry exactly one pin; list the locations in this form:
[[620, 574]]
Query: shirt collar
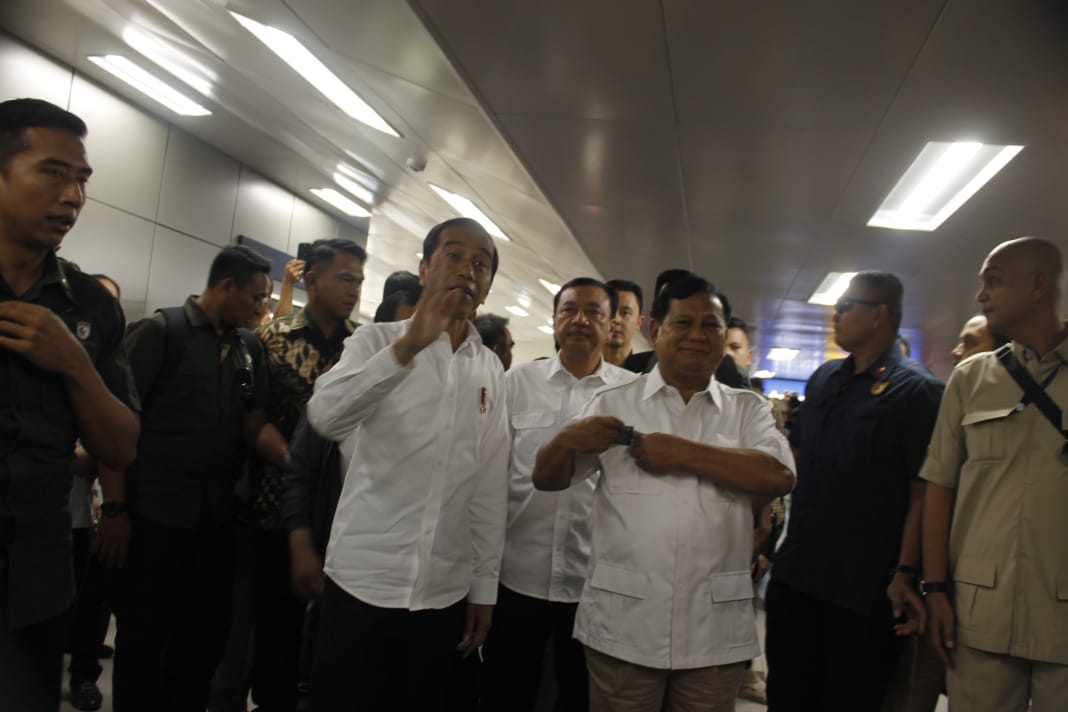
[[654, 383], [302, 320], [881, 367], [197, 317], [54, 272], [557, 366]]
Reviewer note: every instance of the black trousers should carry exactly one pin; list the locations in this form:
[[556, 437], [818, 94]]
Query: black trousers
[[31, 658], [278, 619], [173, 614], [371, 658], [522, 626], [90, 614], [825, 658]]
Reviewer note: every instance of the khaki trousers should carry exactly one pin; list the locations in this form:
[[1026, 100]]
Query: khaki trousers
[[619, 686], [979, 681]]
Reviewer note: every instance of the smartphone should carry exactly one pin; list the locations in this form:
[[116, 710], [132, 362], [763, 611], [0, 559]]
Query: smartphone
[[302, 250]]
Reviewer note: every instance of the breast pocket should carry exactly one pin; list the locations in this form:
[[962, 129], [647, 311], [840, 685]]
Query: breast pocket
[[533, 419], [621, 474], [984, 433]]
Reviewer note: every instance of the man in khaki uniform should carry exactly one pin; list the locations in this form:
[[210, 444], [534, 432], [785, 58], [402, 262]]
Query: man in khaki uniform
[[997, 582]]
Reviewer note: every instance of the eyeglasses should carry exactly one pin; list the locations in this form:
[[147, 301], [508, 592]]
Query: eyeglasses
[[845, 304]]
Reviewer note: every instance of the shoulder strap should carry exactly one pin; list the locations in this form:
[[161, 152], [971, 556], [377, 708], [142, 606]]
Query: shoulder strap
[[175, 342], [1033, 392]]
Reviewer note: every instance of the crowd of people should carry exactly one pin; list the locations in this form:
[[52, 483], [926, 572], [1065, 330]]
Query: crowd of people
[[328, 516]]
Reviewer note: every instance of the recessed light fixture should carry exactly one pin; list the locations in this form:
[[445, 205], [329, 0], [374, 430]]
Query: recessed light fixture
[[546, 330], [149, 85], [469, 210], [170, 60], [524, 300], [764, 374], [307, 65], [940, 180], [518, 311], [553, 289], [342, 203], [831, 288], [782, 353], [357, 190]]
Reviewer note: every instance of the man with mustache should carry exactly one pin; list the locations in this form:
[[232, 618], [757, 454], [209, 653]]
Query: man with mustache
[[546, 550], [415, 548], [666, 612]]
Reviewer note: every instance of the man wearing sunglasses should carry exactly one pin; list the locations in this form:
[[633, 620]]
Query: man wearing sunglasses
[[854, 525]]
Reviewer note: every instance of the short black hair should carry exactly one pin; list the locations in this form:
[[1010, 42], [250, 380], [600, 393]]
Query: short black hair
[[104, 278], [387, 310], [613, 297], [491, 328], [239, 263], [623, 285], [19, 115], [321, 253], [736, 322], [668, 276], [684, 289], [401, 279], [886, 289], [430, 242]]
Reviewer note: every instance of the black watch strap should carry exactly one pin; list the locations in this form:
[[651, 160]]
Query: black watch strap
[[934, 587], [112, 509]]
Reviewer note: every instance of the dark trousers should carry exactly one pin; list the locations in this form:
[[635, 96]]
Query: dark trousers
[[90, 614], [522, 626], [232, 679], [278, 619], [31, 658], [825, 658], [173, 614], [371, 658]]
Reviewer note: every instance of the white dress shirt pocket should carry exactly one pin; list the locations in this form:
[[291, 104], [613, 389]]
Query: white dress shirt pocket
[[623, 476], [533, 419], [618, 595], [733, 620]]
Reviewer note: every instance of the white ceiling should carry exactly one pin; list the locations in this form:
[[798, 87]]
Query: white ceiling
[[748, 141]]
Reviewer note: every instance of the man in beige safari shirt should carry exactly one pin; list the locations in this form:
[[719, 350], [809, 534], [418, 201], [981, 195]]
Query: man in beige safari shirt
[[996, 583]]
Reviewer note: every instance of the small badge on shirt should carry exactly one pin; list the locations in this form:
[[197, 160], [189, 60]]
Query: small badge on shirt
[[83, 330], [482, 400], [878, 387]]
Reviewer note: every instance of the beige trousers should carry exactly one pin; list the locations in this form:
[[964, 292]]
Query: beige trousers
[[619, 686], [979, 681]]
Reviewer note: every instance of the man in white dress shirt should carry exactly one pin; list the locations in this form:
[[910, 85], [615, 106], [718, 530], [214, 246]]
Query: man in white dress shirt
[[547, 543], [415, 546], [666, 614]]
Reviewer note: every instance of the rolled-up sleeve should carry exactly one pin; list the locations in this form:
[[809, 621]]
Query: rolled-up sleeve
[[947, 452]]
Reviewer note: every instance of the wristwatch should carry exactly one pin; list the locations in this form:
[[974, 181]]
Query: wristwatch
[[112, 509], [927, 587]]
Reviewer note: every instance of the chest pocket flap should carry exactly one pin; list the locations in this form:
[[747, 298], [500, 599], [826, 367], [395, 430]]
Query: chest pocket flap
[[985, 432], [533, 419], [733, 586], [618, 579]]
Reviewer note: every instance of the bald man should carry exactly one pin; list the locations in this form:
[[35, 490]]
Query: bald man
[[996, 591], [976, 337]]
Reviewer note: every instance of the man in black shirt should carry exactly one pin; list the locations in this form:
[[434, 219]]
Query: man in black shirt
[[63, 376], [204, 386], [853, 534]]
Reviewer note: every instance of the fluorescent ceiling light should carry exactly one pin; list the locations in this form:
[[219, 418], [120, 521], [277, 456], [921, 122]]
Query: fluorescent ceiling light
[[553, 289], [546, 330], [938, 182], [367, 181], [831, 288], [316, 73], [469, 210], [782, 353], [362, 194], [765, 373], [342, 203], [170, 60], [524, 300], [518, 311], [149, 85]]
